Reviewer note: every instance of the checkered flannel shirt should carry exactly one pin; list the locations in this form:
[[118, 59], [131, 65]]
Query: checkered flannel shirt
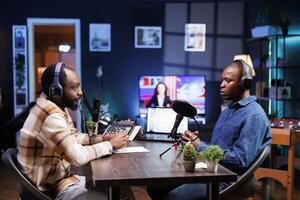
[[50, 144]]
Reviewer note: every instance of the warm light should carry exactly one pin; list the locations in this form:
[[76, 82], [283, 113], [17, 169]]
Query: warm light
[[64, 48], [247, 59]]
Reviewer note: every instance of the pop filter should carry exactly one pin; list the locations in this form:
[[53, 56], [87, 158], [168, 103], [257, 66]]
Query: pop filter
[[184, 108]]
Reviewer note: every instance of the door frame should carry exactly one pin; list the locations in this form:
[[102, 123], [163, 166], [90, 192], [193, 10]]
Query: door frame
[[31, 22]]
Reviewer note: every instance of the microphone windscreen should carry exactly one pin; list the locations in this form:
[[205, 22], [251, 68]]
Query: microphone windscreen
[[184, 108], [96, 109]]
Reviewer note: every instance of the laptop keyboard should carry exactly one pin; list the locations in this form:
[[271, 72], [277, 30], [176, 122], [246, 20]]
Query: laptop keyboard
[[157, 137]]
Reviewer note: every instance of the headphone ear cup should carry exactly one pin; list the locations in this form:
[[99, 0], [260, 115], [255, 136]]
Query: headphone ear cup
[[55, 89], [247, 83], [55, 92]]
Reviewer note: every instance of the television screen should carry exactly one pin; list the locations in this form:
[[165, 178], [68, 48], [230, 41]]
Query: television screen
[[190, 88]]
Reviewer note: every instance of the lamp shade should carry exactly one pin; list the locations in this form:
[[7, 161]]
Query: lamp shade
[[247, 59]]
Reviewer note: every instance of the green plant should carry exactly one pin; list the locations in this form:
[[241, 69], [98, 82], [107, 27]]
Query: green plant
[[90, 123], [213, 153], [189, 153]]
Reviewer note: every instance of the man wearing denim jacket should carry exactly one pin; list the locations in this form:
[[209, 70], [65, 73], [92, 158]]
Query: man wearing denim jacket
[[242, 130]]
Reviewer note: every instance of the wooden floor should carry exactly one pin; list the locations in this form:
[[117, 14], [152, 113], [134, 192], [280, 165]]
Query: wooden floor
[[8, 188]]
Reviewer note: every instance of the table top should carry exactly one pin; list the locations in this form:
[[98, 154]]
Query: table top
[[149, 169]]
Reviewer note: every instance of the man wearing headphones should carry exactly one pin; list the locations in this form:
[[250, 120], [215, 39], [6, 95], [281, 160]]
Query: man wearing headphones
[[242, 130], [50, 144]]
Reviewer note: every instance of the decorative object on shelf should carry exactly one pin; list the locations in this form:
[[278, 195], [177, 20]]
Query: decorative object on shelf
[[100, 37], [263, 24], [212, 154], [271, 22], [189, 157], [263, 31], [283, 92], [284, 123]]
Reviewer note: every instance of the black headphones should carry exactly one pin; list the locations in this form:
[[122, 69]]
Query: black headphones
[[55, 89], [246, 79]]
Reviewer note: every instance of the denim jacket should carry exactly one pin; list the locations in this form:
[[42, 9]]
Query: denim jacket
[[242, 130]]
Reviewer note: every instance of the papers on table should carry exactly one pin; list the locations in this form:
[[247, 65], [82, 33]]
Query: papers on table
[[131, 150], [201, 165]]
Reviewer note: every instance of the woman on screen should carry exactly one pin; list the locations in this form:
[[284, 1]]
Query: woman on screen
[[160, 98]]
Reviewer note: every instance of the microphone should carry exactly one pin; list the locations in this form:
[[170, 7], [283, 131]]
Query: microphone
[[184, 108], [95, 114], [178, 119], [96, 109]]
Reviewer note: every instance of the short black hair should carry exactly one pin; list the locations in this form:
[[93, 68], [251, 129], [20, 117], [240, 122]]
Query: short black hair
[[48, 76]]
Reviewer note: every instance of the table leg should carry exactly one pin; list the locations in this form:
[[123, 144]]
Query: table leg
[[213, 191], [113, 193], [290, 172]]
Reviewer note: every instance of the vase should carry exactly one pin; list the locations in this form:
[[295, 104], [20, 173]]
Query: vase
[[211, 166], [189, 166]]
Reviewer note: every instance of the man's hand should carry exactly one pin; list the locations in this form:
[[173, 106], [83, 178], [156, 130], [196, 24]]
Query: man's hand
[[119, 140], [106, 137], [192, 137]]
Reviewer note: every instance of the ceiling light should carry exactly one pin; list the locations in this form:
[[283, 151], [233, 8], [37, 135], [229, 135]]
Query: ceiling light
[[64, 48]]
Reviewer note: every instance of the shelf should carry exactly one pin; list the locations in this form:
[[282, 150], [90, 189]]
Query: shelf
[[284, 67], [276, 99], [278, 67], [271, 37]]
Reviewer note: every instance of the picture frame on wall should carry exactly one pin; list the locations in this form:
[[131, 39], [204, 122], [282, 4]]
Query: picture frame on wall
[[20, 68], [194, 39], [100, 37], [147, 37], [19, 37]]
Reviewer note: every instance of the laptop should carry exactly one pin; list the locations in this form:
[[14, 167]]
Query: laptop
[[160, 122]]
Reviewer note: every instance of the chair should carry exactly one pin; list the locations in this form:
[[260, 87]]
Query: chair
[[27, 189], [245, 186], [10, 128]]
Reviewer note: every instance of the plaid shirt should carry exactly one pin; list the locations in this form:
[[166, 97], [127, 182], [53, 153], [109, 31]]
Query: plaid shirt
[[50, 144]]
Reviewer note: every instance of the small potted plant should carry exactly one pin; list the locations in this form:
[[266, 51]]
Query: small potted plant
[[212, 155], [189, 157]]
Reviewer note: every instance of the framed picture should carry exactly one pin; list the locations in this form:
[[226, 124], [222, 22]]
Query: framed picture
[[194, 39], [147, 37], [19, 37], [20, 68], [100, 37]]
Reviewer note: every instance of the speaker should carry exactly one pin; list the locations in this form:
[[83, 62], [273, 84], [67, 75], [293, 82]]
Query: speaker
[[55, 89], [246, 79]]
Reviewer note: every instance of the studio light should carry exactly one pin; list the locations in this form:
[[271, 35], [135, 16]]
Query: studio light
[[64, 48]]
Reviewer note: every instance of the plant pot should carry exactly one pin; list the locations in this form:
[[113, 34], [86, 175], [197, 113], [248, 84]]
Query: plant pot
[[189, 166], [211, 166]]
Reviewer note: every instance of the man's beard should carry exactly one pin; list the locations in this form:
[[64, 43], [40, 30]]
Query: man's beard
[[69, 103]]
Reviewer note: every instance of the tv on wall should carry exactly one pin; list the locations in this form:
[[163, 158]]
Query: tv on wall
[[184, 87]]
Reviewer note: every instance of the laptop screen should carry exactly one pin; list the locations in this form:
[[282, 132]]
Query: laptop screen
[[161, 120]]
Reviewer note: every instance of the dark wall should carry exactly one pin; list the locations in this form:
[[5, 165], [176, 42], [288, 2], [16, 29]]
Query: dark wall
[[121, 66], [124, 64]]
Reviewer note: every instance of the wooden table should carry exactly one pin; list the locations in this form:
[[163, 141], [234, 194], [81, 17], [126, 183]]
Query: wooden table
[[149, 169], [289, 138]]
